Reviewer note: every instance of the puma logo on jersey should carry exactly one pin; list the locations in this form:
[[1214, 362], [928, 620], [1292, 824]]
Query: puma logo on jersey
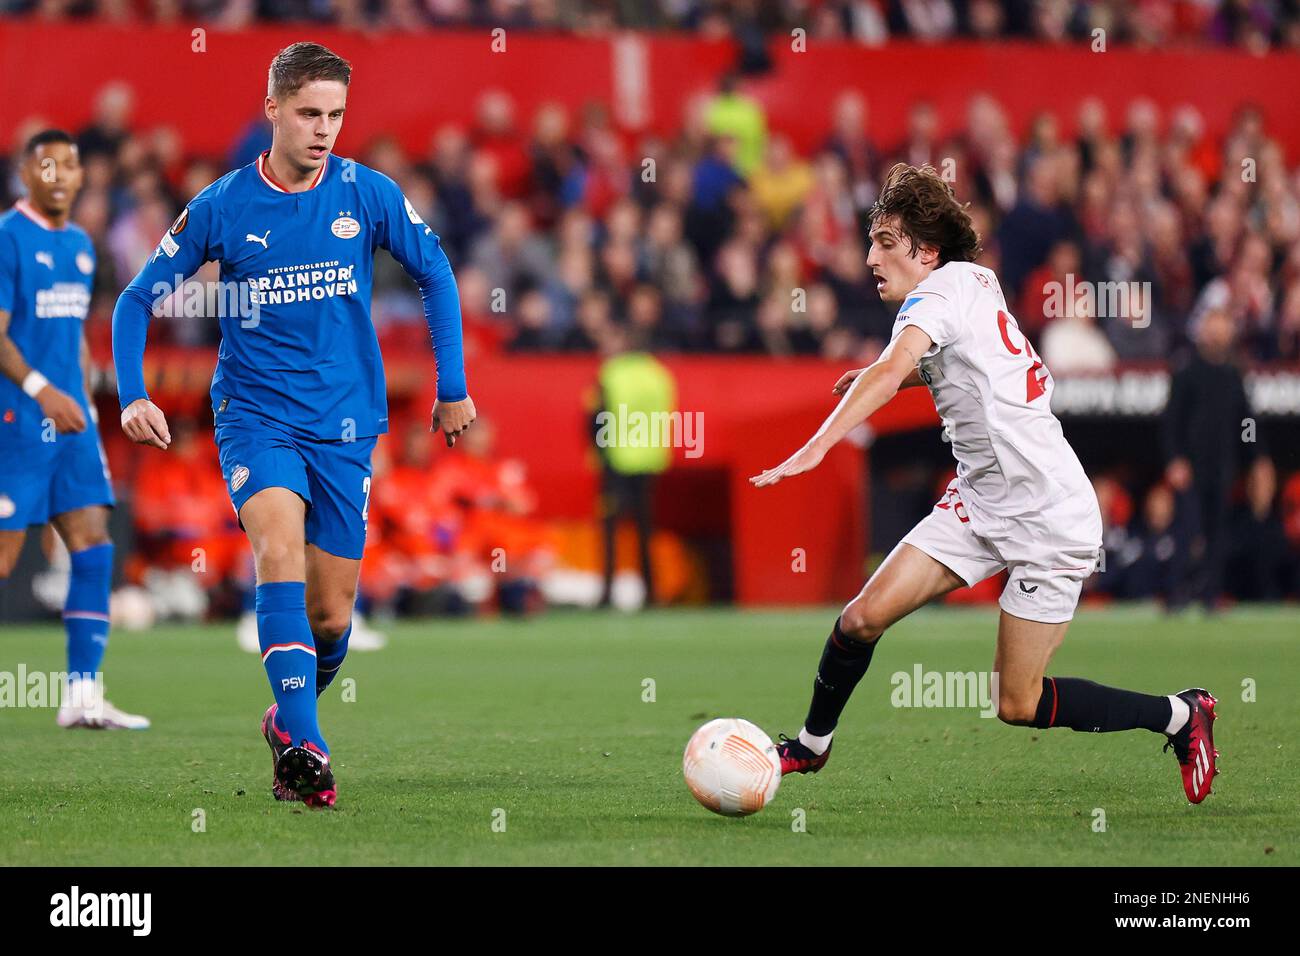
[[45, 259], [262, 238]]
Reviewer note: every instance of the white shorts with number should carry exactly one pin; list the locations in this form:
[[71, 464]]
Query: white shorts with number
[[1048, 553]]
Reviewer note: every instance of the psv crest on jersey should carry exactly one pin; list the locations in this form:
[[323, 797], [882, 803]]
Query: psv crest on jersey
[[345, 227]]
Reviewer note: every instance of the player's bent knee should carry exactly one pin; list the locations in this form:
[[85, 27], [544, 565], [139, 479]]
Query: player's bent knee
[[862, 621], [91, 539], [330, 624], [1018, 711], [278, 560]]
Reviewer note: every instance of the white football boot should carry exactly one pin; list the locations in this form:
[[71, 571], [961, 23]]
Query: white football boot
[[83, 705], [364, 637]]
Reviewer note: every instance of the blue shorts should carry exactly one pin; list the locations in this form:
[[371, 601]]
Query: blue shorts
[[332, 477], [41, 480]]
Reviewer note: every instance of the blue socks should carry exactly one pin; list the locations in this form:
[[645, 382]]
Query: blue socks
[[329, 658], [85, 613], [289, 655]]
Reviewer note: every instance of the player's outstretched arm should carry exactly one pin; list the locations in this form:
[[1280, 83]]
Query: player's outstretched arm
[[912, 381], [868, 392]]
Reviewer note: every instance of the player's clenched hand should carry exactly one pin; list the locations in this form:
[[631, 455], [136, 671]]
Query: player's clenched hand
[[145, 424], [62, 409], [452, 418], [846, 380], [805, 459]]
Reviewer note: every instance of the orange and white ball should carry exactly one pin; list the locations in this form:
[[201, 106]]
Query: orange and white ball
[[732, 767]]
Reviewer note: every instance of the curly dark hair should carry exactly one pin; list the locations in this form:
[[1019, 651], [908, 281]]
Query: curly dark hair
[[927, 212]]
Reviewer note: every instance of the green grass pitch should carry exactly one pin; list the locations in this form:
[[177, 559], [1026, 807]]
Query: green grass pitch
[[545, 720]]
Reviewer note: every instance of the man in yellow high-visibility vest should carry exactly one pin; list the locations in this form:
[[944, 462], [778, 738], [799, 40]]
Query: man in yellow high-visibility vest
[[637, 396]]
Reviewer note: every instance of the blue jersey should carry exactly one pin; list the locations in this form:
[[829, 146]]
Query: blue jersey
[[45, 283], [297, 342]]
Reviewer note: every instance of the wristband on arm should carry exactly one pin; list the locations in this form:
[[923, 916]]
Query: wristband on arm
[[34, 383]]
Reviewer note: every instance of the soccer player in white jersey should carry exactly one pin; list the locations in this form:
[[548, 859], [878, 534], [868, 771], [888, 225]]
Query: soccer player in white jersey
[[1021, 501]]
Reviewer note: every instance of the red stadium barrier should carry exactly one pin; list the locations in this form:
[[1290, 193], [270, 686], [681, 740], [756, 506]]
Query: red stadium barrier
[[407, 85], [1027, 79]]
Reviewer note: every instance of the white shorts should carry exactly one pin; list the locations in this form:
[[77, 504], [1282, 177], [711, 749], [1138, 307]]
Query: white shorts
[[1049, 553]]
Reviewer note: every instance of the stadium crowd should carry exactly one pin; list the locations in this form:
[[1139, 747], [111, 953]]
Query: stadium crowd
[[735, 242], [1256, 25], [740, 243]]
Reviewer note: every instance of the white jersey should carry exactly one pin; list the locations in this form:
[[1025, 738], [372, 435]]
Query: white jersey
[[993, 393]]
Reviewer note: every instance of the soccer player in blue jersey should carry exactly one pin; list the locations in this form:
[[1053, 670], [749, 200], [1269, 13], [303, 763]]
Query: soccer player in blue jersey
[[52, 467], [298, 395]]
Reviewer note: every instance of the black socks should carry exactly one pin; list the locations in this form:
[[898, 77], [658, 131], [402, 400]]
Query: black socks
[[843, 663], [1083, 705], [1072, 702]]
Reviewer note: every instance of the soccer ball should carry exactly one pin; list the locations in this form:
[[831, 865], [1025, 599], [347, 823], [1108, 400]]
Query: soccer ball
[[731, 767]]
